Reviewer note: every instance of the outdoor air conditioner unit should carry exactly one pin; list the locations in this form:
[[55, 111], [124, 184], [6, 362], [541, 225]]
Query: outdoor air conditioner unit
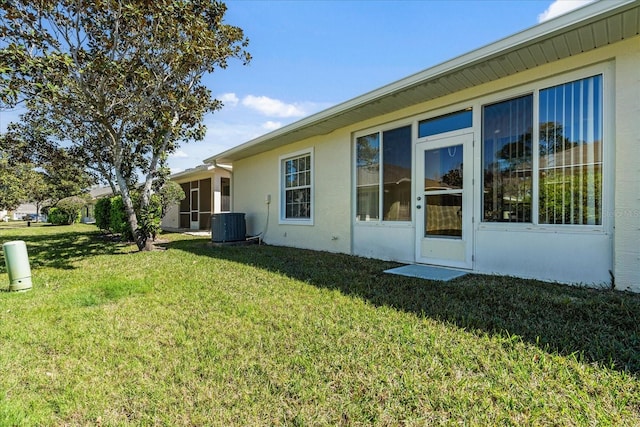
[[228, 227]]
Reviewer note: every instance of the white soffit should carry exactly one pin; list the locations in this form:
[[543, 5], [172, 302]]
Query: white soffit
[[598, 24]]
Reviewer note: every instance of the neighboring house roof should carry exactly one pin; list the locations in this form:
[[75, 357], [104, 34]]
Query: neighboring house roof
[[191, 171], [200, 172], [97, 192], [598, 24], [25, 208]]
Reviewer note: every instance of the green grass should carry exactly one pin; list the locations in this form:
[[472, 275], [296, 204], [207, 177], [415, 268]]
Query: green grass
[[259, 335]]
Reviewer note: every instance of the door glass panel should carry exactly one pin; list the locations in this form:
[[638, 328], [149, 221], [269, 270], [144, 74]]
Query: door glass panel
[[443, 192], [443, 215], [443, 168]]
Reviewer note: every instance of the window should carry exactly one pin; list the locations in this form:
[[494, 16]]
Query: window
[[225, 194], [396, 174], [506, 160], [446, 123], [390, 151], [297, 187], [561, 157], [368, 177], [570, 149]]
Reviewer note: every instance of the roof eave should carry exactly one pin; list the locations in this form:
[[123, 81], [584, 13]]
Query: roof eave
[[590, 13]]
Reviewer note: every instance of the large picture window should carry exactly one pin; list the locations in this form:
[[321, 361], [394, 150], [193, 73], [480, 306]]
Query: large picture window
[[569, 156], [297, 187], [383, 161], [506, 160], [571, 153]]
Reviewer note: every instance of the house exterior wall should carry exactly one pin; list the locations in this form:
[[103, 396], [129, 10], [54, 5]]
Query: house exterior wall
[[259, 177], [170, 220], [586, 256], [627, 178]]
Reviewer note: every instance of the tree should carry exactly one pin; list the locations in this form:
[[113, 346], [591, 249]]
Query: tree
[[38, 191], [171, 193], [55, 172], [12, 188], [119, 80]]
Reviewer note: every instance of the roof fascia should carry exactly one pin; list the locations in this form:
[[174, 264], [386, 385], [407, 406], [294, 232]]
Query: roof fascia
[[583, 16]]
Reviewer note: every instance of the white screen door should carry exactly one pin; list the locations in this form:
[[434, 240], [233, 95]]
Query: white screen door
[[195, 212], [444, 177]]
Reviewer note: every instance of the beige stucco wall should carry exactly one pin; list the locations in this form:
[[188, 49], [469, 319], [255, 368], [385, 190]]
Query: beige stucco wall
[[627, 179], [257, 176]]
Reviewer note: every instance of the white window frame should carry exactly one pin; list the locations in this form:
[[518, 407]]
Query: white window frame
[[534, 88], [283, 199], [354, 149]]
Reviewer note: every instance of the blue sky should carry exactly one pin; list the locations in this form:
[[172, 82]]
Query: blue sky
[[311, 55]]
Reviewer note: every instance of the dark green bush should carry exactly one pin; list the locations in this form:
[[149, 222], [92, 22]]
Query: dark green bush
[[118, 219], [111, 216], [56, 217], [102, 213], [149, 219], [67, 211]]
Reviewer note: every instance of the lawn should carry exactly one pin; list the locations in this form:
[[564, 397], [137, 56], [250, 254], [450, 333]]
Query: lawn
[[262, 335]]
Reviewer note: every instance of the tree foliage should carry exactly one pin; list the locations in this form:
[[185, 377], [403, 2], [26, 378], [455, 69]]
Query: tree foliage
[[36, 169], [119, 80], [171, 193], [102, 213], [12, 180]]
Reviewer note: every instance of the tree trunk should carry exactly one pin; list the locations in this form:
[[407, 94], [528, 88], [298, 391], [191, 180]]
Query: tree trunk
[[139, 238]]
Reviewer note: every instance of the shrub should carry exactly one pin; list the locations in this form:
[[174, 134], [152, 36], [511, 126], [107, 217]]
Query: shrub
[[171, 193], [102, 212], [111, 216], [56, 216], [118, 219], [149, 219], [67, 211]]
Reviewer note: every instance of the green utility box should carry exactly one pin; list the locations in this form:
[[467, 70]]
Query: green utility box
[[17, 261]]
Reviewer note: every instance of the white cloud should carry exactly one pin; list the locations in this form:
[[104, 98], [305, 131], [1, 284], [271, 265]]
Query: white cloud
[[271, 125], [228, 99], [272, 107], [230, 127], [179, 154], [560, 7]]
